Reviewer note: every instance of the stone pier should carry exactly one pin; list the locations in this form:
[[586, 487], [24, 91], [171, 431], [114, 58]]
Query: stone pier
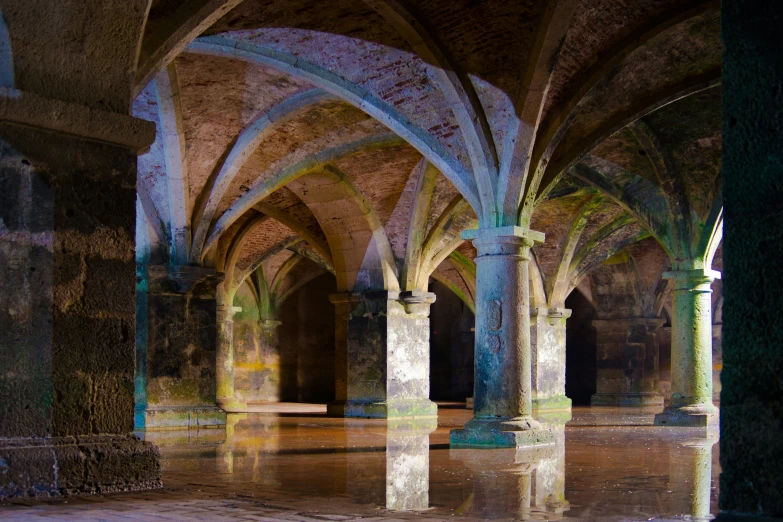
[[257, 363], [180, 387], [382, 355], [67, 307], [503, 404], [627, 365], [224, 369], [548, 359]]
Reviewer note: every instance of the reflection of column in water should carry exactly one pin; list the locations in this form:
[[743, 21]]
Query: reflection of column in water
[[549, 478], [408, 463], [249, 444], [502, 478], [692, 476]]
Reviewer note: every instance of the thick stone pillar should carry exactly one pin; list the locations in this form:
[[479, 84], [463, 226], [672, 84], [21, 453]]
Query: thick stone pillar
[[627, 365], [382, 366], [751, 448], [181, 349], [67, 301], [548, 359], [224, 369], [257, 365], [503, 404], [691, 370]]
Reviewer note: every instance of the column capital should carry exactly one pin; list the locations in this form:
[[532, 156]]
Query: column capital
[[553, 315], [269, 324], [32, 110], [226, 313], [417, 302], [503, 241], [500, 234], [691, 278]]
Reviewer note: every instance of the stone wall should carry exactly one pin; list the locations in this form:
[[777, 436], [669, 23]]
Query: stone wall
[[258, 371], [290, 360]]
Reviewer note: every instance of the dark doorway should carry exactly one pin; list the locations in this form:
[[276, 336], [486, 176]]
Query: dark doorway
[[580, 350], [451, 346], [307, 343]]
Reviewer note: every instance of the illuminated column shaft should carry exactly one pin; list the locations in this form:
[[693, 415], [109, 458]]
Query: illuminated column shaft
[[503, 396]]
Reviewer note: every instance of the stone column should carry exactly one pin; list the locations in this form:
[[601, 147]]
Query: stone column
[[257, 365], [224, 370], [691, 403], [503, 403], [67, 300], [548, 359], [627, 366], [382, 355], [181, 385]]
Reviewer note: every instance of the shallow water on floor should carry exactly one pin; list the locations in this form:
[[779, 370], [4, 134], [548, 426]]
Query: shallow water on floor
[[607, 464]]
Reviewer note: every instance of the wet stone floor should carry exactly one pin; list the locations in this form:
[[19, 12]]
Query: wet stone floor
[[608, 464]]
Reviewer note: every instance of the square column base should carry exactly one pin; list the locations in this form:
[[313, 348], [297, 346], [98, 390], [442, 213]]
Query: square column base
[[232, 405], [553, 403], [704, 416], [499, 434], [413, 408], [178, 417], [76, 465], [627, 399]]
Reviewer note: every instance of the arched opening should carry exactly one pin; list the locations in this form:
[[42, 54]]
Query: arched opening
[[451, 346], [580, 350], [307, 343]]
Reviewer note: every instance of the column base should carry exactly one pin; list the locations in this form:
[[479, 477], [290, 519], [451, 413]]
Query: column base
[[698, 416], [383, 410], [554, 403], [627, 399], [178, 417], [232, 405], [77, 465], [491, 433]]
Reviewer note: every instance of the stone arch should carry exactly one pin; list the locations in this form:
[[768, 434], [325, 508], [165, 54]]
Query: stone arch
[[361, 251]]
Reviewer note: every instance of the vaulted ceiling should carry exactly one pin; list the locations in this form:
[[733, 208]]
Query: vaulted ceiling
[[360, 137]]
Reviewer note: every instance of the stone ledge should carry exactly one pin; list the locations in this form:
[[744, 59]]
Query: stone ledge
[[415, 408], [31, 110], [77, 465], [178, 417], [554, 403]]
